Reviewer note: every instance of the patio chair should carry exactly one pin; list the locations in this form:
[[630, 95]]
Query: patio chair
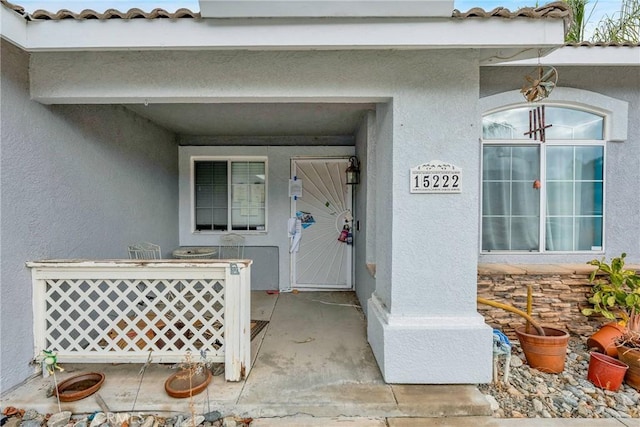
[[231, 246], [144, 250]]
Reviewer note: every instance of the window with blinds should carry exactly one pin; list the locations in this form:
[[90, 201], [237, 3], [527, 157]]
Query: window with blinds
[[229, 195]]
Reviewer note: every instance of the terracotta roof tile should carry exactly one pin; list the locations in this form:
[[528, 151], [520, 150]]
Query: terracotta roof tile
[[86, 14], [14, 7], [602, 44], [557, 9], [134, 13]]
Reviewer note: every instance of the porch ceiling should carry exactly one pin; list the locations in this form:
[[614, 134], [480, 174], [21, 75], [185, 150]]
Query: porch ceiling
[[256, 119]]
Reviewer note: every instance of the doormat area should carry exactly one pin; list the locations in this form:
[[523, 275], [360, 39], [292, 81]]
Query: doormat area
[[257, 326]]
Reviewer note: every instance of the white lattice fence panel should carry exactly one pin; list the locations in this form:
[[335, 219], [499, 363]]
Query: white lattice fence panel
[[124, 311], [122, 316]]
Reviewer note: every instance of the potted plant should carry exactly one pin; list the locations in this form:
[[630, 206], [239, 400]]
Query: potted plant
[[629, 349], [545, 352], [544, 348], [616, 294]]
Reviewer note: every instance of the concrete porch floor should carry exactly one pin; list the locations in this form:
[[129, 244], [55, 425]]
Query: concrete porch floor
[[312, 359]]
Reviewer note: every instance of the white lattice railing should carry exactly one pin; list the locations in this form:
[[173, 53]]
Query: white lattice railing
[[120, 311]]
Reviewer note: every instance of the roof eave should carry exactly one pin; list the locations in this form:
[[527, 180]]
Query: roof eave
[[13, 27], [287, 34], [607, 55]]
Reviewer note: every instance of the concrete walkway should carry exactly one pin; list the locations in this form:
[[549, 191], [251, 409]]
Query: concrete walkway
[[312, 366], [443, 422]]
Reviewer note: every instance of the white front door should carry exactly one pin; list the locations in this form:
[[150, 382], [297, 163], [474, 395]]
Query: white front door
[[322, 259]]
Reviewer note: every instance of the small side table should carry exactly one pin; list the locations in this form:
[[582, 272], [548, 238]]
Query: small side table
[[195, 252]]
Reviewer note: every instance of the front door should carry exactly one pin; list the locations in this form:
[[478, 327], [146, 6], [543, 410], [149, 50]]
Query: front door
[[321, 259]]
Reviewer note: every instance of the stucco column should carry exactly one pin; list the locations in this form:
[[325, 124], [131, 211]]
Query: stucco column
[[423, 323]]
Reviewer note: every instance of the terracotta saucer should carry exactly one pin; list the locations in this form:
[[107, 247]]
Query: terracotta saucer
[[79, 386], [179, 385]]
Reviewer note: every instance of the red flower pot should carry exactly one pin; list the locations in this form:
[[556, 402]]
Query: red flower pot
[[605, 371], [604, 340]]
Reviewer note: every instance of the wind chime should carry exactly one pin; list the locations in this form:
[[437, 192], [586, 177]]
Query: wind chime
[[537, 125], [539, 84], [537, 87]]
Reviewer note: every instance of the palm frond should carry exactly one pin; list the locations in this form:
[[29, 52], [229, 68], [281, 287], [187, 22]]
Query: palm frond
[[622, 27]]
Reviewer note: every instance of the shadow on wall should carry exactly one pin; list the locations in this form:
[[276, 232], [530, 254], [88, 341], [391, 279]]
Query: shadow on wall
[[265, 267]]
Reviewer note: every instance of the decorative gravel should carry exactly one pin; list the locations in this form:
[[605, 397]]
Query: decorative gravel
[[529, 394], [534, 394], [31, 418]]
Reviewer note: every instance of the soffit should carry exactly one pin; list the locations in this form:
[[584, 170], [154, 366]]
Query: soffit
[[256, 119], [582, 53], [185, 29]]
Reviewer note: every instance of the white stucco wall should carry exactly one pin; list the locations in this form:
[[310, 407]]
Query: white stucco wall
[[426, 249], [430, 311], [384, 201], [77, 182], [622, 179], [364, 196]]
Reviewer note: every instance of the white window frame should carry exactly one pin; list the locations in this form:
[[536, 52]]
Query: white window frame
[[543, 194], [616, 126], [543, 190], [229, 160]]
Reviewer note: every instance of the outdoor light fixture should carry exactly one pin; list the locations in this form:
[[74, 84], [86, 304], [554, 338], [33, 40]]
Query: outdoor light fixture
[[353, 171]]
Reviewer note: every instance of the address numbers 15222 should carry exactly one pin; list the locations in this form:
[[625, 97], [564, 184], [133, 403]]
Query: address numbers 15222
[[436, 178]]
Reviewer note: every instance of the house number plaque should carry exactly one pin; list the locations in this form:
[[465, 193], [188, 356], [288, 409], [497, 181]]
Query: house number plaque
[[436, 177]]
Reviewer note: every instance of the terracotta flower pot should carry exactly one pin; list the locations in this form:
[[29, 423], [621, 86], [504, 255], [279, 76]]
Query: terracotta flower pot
[[79, 386], [631, 356], [605, 371], [604, 340], [544, 353]]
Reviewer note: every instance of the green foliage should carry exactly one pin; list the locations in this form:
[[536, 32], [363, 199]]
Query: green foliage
[[579, 20], [618, 294], [622, 27]]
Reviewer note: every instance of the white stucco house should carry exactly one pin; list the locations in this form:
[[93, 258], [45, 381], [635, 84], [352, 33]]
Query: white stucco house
[[176, 128]]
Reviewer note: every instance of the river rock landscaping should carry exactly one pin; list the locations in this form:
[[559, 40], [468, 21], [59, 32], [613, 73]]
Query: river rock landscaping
[[534, 394], [20, 418], [528, 394]]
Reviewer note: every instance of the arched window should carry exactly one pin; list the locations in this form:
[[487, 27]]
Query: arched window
[[543, 190]]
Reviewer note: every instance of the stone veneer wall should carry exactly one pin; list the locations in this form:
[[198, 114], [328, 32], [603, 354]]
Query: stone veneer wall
[[559, 294]]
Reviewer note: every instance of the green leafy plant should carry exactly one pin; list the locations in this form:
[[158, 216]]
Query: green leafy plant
[[616, 290], [621, 27], [580, 17]]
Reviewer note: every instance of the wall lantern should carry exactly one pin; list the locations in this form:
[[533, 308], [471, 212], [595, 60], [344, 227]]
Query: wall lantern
[[353, 171]]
